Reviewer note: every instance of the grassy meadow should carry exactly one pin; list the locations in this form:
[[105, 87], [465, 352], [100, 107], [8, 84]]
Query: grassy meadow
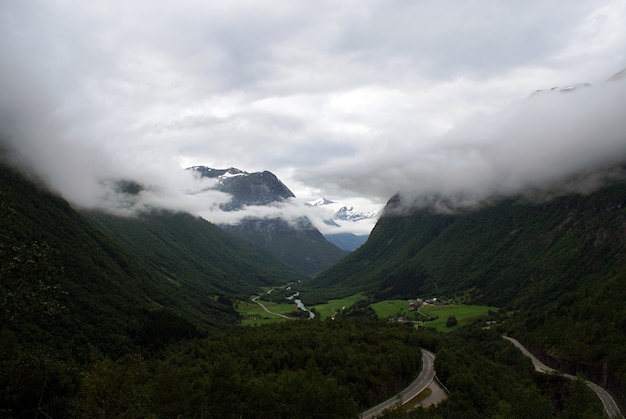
[[333, 306], [464, 314], [253, 314]]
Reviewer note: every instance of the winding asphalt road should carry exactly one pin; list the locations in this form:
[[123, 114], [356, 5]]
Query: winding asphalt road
[[416, 387], [611, 408]]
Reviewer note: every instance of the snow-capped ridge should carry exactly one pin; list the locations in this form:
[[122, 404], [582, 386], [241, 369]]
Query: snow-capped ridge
[[341, 211], [319, 202], [209, 172]]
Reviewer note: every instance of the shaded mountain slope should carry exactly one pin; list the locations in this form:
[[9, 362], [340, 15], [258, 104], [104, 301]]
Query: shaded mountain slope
[[258, 188], [561, 262], [297, 244], [194, 253], [125, 281], [515, 253], [301, 247]]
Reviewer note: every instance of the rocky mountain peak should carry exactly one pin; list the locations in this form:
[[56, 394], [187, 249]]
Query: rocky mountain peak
[[257, 188]]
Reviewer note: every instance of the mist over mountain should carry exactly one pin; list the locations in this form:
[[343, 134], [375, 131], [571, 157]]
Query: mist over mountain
[[341, 212], [246, 189], [545, 144], [492, 133], [288, 234], [122, 276], [341, 217], [550, 143]]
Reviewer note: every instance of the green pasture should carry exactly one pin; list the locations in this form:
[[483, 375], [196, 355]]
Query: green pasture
[[464, 314], [333, 306], [253, 314], [388, 308]]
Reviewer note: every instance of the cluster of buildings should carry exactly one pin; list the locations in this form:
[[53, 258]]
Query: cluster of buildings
[[415, 305]]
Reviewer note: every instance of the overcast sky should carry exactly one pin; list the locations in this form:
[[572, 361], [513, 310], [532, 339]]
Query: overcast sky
[[352, 100]]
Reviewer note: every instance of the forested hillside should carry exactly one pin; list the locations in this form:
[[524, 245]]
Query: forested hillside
[[301, 247], [78, 284], [194, 253], [561, 263], [110, 279], [114, 276], [516, 253]]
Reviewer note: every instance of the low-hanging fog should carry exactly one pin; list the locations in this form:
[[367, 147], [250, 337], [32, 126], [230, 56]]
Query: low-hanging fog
[[354, 101]]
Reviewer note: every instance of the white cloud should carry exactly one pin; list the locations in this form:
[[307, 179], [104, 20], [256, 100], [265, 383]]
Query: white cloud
[[358, 98]]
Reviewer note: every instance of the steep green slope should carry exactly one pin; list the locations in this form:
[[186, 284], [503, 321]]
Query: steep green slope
[[583, 332], [303, 247], [386, 254], [125, 281], [515, 253], [561, 262], [103, 287], [191, 252]]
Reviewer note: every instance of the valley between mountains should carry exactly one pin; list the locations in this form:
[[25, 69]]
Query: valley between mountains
[[151, 315]]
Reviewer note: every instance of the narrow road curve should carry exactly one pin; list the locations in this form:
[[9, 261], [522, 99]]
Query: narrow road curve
[[611, 408], [416, 387], [256, 300]]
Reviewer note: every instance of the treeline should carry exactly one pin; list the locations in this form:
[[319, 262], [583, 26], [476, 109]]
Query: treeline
[[307, 369], [295, 369]]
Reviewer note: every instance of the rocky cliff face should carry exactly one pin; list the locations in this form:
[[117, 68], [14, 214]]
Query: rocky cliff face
[[258, 188]]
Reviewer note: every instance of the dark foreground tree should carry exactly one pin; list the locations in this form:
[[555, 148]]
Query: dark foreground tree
[[451, 321]]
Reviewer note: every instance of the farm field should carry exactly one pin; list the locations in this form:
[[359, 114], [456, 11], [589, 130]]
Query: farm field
[[253, 314], [464, 314], [332, 306], [388, 308]]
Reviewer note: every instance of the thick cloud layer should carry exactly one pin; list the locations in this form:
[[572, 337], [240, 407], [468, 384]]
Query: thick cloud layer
[[552, 142], [340, 99]]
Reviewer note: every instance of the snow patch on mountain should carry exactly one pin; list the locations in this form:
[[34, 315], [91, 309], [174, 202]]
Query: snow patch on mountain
[[263, 195], [341, 211], [343, 218]]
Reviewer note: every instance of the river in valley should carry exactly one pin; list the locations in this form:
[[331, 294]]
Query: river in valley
[[300, 304]]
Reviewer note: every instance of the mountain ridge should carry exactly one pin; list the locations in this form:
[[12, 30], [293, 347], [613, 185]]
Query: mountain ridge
[[257, 188], [559, 264], [116, 273], [296, 242], [419, 243]]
